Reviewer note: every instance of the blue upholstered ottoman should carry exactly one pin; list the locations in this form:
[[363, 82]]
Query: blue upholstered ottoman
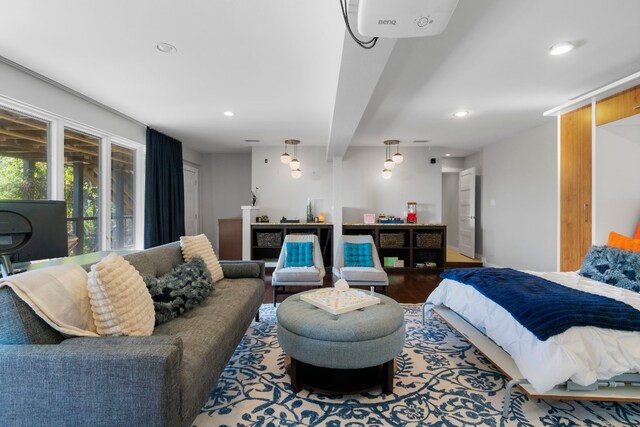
[[320, 343]]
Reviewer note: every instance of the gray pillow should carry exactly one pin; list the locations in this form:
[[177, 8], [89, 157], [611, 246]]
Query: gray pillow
[[613, 266], [180, 290]]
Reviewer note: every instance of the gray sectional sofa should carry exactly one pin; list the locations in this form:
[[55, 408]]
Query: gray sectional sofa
[[159, 380]]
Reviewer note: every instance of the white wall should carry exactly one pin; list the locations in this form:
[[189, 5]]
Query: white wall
[[27, 89], [281, 195], [520, 200], [225, 185], [450, 183], [415, 180], [617, 184]]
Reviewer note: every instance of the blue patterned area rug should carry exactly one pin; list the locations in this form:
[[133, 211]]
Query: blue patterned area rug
[[440, 380]]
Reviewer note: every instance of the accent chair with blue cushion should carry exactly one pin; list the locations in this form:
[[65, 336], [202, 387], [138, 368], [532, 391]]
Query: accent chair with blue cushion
[[300, 264], [358, 262]]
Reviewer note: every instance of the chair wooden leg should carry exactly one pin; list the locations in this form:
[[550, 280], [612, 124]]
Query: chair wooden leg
[[275, 295], [258, 316]]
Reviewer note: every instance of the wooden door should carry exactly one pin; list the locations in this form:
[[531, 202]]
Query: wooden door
[[575, 187]]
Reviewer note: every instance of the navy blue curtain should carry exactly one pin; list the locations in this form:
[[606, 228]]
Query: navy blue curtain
[[164, 190]]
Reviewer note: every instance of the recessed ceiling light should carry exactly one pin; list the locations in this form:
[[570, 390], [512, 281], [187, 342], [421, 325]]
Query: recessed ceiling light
[[561, 48], [447, 155], [421, 141], [166, 47], [229, 113], [251, 140], [460, 114]]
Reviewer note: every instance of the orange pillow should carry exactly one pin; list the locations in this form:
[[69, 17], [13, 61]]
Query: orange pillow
[[637, 235], [623, 242]]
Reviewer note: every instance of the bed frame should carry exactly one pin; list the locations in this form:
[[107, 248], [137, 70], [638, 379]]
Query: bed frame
[[622, 388]]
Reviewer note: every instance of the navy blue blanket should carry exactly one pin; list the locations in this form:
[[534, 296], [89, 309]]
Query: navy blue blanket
[[543, 307]]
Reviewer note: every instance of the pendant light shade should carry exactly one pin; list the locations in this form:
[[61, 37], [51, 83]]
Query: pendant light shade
[[285, 157], [294, 164], [296, 173], [389, 164], [398, 158], [386, 173]]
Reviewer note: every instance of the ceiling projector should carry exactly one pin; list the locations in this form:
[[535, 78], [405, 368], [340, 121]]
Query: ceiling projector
[[403, 18]]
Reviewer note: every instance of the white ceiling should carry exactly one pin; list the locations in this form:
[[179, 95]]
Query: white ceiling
[[287, 70]]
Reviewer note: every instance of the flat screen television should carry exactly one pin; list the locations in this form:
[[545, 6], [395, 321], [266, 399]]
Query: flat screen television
[[31, 230]]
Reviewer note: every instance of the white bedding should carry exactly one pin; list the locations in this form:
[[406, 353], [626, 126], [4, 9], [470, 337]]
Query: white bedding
[[582, 354]]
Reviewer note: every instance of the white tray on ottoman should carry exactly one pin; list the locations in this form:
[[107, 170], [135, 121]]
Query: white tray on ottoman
[[338, 302]]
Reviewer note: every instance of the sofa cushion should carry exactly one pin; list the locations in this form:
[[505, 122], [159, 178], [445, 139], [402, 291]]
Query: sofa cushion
[[180, 290], [210, 333], [19, 324], [200, 246], [363, 274], [158, 260], [120, 301], [297, 274], [242, 269]]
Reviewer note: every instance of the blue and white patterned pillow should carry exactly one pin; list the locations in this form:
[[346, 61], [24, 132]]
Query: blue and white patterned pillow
[[613, 266]]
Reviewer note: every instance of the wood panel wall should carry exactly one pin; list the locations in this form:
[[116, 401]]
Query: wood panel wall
[[575, 187], [618, 106]]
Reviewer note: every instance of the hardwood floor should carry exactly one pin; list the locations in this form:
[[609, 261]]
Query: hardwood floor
[[409, 287]]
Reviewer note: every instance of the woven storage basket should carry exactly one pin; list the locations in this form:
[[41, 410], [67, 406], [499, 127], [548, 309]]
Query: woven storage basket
[[391, 240], [429, 240], [269, 240]]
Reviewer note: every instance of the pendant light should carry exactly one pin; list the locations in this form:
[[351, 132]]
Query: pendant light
[[294, 164], [398, 157], [285, 157], [390, 162]]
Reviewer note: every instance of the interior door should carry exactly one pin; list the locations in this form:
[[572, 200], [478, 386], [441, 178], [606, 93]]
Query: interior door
[[467, 213], [575, 187], [191, 216]]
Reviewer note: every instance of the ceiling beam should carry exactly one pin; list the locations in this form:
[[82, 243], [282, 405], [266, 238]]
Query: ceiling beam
[[360, 71]]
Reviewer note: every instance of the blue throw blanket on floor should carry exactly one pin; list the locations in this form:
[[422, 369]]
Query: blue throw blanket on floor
[[543, 307]]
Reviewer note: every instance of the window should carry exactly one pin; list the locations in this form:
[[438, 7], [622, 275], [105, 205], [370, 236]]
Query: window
[[23, 156], [82, 189], [98, 174], [122, 197]]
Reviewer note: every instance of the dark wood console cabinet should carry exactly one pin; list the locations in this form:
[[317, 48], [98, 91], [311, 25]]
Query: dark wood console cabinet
[[267, 239], [415, 244]]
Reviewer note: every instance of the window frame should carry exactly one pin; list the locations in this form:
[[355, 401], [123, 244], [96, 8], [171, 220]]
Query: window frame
[[55, 165]]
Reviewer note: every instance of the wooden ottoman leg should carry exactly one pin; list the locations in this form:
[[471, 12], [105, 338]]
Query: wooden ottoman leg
[[294, 373], [387, 377]]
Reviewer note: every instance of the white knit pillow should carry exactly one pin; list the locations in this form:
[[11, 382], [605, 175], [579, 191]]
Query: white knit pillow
[[120, 301], [200, 246]]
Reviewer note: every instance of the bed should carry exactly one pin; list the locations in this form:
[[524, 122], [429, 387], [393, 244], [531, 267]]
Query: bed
[[574, 363]]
